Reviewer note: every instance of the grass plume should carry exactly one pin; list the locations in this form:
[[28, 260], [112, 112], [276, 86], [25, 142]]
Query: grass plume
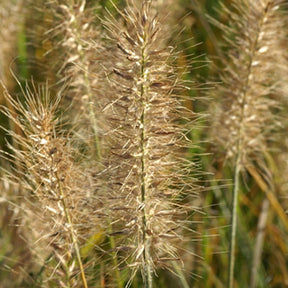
[[146, 142], [250, 92], [47, 175], [75, 36]]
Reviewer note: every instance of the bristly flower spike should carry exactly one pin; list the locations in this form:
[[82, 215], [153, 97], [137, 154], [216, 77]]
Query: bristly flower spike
[[145, 143]]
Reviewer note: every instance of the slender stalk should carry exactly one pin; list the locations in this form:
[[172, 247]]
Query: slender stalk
[[233, 225]]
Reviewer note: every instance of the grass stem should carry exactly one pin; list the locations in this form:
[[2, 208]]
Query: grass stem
[[234, 224]]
